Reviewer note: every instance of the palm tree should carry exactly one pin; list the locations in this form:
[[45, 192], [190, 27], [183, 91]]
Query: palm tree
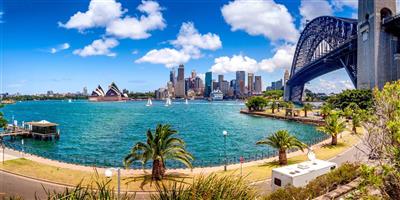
[[282, 141], [274, 106], [159, 147], [334, 125], [307, 107], [326, 109], [358, 116]]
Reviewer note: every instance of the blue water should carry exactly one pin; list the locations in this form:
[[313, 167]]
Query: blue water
[[102, 133]]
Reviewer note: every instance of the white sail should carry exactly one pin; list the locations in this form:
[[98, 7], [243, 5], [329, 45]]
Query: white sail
[[149, 103], [186, 102], [168, 102]]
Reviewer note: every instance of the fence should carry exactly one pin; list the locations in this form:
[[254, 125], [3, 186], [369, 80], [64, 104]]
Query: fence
[[99, 162]]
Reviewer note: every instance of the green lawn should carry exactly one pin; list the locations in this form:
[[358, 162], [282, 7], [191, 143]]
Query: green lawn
[[72, 177]]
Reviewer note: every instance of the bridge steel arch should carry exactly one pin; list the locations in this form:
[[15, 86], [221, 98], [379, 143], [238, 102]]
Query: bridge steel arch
[[326, 44]]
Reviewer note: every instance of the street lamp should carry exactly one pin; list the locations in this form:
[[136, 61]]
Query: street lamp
[[108, 173], [225, 133]]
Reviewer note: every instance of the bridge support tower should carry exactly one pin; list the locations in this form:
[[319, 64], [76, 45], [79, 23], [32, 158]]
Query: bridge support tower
[[378, 60]]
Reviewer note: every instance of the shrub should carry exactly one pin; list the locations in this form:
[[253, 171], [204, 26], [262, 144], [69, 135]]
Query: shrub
[[256, 103], [319, 186], [363, 98], [206, 188]]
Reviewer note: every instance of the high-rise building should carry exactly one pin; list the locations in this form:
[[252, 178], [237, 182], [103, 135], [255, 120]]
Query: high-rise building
[[240, 83], [277, 85], [171, 89], [198, 85], [208, 84], [224, 87], [215, 85], [172, 76], [85, 91], [250, 83], [233, 86], [193, 74], [286, 76], [258, 85], [180, 90]]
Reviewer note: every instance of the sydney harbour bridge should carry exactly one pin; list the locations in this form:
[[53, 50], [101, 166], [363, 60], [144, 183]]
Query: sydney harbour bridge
[[368, 48]]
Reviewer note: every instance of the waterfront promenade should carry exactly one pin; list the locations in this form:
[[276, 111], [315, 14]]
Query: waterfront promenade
[[318, 121], [261, 183]]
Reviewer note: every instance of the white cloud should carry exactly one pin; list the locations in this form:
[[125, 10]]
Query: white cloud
[[166, 56], [59, 48], [261, 17], [134, 52], [109, 14], [281, 59], [340, 4], [138, 28], [330, 86], [98, 47], [1, 17], [316, 8], [398, 6], [99, 14], [190, 40], [188, 45]]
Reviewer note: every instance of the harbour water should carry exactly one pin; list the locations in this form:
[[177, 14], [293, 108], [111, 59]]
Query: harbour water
[[102, 133]]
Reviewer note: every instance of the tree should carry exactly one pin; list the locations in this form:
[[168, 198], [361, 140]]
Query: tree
[[289, 105], [274, 106], [282, 141], [256, 103], [334, 125], [273, 94], [307, 107], [362, 98], [326, 109], [358, 116], [159, 147]]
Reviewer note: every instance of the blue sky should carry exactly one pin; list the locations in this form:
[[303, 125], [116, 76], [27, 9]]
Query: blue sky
[[64, 45]]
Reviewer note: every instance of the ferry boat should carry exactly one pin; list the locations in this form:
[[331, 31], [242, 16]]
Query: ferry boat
[[217, 95]]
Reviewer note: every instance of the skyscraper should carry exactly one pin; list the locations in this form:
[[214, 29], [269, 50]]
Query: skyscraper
[[172, 76], [258, 85], [208, 85], [240, 83], [180, 83], [250, 83], [193, 74]]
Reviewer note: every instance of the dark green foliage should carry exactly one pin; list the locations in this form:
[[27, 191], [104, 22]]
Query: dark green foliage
[[363, 98], [256, 103], [212, 187], [321, 185], [3, 122], [273, 94]]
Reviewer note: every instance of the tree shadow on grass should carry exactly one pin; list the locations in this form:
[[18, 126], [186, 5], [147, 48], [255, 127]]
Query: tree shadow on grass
[[329, 146]]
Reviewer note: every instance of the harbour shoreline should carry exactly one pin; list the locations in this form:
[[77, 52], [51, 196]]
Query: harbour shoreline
[[288, 118]]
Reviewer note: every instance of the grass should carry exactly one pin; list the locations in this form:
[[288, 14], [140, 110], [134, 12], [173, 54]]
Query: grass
[[73, 177], [263, 171]]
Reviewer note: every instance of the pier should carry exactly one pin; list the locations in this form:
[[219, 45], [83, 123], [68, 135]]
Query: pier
[[42, 130]]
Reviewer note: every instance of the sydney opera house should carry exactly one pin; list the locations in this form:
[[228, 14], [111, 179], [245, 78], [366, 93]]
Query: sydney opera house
[[113, 94]]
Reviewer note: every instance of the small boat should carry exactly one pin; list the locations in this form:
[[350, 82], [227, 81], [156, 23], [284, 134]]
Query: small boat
[[69, 100], [168, 102], [186, 102], [149, 103]]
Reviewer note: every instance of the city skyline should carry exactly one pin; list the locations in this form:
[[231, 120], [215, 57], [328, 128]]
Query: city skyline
[[71, 55]]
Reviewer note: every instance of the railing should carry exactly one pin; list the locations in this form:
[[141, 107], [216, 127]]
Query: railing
[[99, 162]]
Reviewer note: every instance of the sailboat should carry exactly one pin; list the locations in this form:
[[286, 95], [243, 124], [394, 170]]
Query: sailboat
[[149, 103], [69, 100], [168, 102], [186, 102]]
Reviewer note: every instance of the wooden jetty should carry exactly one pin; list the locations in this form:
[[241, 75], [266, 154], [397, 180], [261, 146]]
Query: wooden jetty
[[42, 130]]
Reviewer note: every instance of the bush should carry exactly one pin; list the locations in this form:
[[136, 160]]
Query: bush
[[256, 103], [206, 188], [363, 99], [319, 186]]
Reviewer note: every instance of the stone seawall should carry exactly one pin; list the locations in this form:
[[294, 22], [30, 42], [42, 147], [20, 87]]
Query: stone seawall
[[315, 122]]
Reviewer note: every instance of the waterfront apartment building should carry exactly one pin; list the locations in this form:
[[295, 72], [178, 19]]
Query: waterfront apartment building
[[250, 83], [276, 85], [180, 90], [240, 83], [258, 85], [208, 84]]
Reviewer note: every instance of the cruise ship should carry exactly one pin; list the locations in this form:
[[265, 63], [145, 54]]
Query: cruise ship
[[217, 95], [113, 94]]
